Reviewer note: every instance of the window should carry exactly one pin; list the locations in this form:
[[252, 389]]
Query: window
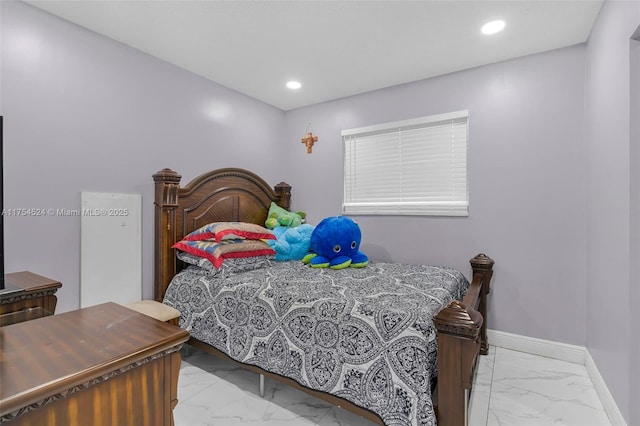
[[410, 167]]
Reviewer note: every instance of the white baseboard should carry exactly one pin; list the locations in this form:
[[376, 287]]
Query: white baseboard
[[609, 404], [531, 345], [564, 352]]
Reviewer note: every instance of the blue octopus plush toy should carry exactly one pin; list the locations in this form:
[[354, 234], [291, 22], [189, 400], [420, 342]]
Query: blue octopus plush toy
[[335, 243]]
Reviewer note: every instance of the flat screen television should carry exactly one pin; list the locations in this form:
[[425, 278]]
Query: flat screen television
[[5, 285], [1, 208]]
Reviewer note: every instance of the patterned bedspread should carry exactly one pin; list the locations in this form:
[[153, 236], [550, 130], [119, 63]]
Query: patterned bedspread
[[365, 334]]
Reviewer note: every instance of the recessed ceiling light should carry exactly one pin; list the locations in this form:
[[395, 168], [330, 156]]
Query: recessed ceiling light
[[493, 27], [294, 85]]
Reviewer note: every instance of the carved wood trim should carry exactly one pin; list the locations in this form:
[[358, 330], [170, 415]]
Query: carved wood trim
[[482, 266], [26, 296], [459, 320], [169, 193], [88, 384], [284, 192]]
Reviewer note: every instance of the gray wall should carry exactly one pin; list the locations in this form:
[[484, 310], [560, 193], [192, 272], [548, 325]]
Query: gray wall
[[612, 208], [84, 113], [526, 177]]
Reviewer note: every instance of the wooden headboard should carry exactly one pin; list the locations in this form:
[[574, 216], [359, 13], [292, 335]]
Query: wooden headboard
[[223, 195]]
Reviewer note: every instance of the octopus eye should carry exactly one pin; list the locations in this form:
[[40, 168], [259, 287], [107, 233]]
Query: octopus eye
[[354, 244], [337, 248]]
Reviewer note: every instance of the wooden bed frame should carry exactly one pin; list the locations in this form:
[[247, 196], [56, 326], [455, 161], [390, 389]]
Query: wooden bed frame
[[233, 194]]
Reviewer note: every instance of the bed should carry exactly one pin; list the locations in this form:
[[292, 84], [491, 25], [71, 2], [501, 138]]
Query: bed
[[369, 340]]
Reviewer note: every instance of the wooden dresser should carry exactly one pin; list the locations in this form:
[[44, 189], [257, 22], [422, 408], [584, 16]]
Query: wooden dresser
[[103, 365], [32, 296]]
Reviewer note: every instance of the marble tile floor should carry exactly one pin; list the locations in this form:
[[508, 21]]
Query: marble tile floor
[[511, 388]]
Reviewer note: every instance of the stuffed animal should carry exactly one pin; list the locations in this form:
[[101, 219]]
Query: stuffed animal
[[291, 243], [335, 243], [282, 217]]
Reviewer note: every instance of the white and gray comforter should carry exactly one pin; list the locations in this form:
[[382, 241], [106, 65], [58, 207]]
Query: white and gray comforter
[[365, 334]]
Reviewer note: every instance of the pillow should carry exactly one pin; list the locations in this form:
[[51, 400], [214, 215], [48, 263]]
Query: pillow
[[229, 266], [192, 259], [220, 231], [216, 252]]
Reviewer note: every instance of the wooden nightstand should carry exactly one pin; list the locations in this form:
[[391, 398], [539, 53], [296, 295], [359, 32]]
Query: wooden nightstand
[[34, 297]]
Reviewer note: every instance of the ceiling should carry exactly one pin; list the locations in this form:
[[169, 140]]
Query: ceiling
[[334, 48]]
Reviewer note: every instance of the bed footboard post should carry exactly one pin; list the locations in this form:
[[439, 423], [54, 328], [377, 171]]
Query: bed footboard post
[[167, 183], [482, 266], [458, 328]]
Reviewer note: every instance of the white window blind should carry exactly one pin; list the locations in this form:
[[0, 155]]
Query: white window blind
[[411, 167]]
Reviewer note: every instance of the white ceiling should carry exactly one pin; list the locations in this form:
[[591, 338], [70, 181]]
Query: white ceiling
[[334, 48]]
